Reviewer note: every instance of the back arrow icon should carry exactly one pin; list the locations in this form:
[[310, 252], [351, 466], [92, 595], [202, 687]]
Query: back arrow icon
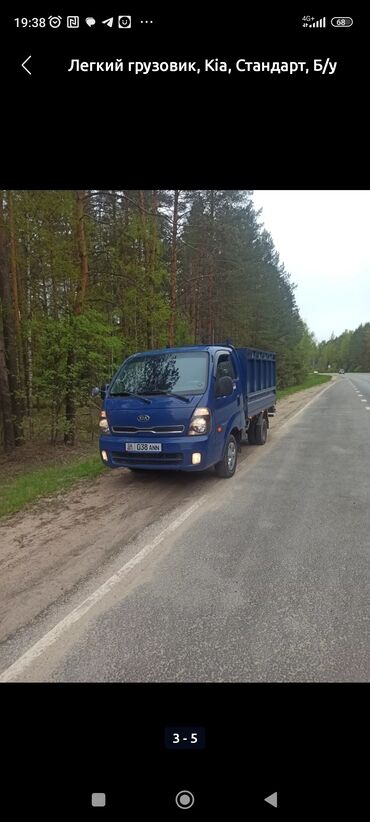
[[24, 64], [272, 799]]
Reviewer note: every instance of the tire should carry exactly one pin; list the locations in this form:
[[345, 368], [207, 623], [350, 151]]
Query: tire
[[261, 433], [227, 466]]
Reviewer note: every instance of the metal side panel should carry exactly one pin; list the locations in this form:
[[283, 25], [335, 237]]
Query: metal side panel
[[260, 401]]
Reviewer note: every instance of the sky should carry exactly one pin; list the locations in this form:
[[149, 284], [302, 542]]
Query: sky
[[323, 239]]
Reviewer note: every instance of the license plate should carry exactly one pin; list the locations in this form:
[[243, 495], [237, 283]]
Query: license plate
[[143, 446]]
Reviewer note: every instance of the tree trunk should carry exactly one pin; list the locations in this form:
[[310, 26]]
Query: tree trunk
[[173, 276], [17, 295], [6, 402], [211, 273], [70, 413], [13, 267], [82, 286], [146, 267], [82, 251], [70, 432], [29, 345], [126, 213], [8, 322], [152, 265]]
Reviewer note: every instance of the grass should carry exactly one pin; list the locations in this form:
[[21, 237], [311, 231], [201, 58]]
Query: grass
[[310, 382], [21, 490]]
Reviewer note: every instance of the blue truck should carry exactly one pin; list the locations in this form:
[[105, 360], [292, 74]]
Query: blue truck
[[186, 409]]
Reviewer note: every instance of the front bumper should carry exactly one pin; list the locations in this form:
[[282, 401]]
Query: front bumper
[[176, 453]]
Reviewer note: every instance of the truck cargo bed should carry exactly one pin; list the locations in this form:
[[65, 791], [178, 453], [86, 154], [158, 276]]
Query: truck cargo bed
[[258, 379]]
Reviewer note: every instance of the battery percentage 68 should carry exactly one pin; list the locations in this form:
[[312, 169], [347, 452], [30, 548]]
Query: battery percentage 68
[[341, 22]]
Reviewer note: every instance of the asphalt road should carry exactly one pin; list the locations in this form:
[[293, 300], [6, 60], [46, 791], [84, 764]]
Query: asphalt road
[[266, 579]]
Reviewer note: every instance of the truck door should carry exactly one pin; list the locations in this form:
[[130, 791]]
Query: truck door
[[225, 407]]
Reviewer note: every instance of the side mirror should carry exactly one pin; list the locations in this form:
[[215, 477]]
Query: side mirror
[[224, 387], [100, 391]]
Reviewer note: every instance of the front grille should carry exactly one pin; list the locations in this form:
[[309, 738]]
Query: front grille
[[157, 429], [159, 457]]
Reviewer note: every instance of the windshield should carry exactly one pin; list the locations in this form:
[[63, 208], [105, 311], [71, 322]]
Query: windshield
[[183, 372]]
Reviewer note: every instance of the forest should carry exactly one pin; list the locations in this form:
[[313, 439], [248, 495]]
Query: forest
[[88, 277], [350, 351]]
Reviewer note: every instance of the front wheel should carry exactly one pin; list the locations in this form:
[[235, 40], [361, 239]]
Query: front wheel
[[227, 466]]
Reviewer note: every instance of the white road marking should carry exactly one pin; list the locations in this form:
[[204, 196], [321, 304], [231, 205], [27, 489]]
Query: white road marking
[[55, 633], [363, 400], [367, 408]]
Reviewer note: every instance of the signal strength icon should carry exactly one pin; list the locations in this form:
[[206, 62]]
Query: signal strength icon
[[318, 24]]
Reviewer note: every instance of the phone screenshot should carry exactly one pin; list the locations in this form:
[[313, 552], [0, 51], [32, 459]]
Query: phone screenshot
[[184, 412]]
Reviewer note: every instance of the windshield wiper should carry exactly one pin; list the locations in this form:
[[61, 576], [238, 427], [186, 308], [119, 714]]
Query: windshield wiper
[[129, 394], [169, 394]]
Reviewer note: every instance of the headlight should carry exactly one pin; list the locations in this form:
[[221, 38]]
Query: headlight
[[103, 423], [200, 422]]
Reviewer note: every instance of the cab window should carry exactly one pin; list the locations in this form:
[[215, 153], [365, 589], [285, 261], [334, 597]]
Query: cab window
[[225, 367]]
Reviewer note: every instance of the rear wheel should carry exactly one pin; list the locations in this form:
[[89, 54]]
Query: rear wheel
[[227, 466], [261, 433]]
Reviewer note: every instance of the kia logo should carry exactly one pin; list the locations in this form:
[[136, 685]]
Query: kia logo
[[143, 418]]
